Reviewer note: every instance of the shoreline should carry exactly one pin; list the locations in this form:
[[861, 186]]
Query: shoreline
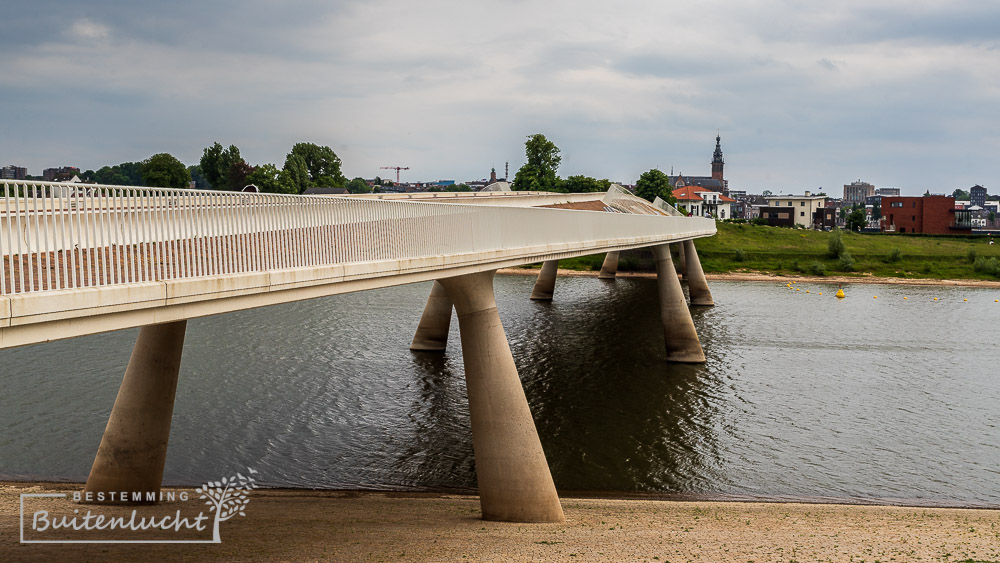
[[762, 277], [299, 525]]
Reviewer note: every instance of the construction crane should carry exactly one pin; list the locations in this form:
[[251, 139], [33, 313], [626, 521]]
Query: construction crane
[[396, 168]]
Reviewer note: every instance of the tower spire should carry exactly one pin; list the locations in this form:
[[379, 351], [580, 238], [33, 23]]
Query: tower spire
[[717, 162]]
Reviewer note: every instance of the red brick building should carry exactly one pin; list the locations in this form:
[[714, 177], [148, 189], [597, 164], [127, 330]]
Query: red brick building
[[934, 214]]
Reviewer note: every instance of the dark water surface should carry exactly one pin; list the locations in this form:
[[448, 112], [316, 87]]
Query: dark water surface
[[803, 396]]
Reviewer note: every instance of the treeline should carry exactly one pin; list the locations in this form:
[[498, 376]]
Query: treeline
[[539, 173], [307, 166]]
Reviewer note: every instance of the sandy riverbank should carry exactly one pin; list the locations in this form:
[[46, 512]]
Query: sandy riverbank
[[296, 525], [760, 277]]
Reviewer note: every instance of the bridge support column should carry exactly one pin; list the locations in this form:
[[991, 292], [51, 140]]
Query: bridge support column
[[697, 284], [681, 337], [610, 267], [133, 450], [515, 484], [682, 261], [432, 332], [545, 285]]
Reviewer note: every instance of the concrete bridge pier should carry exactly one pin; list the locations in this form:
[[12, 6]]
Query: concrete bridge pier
[[682, 261], [545, 285], [697, 284], [432, 332], [610, 267], [515, 484], [683, 345], [133, 450]]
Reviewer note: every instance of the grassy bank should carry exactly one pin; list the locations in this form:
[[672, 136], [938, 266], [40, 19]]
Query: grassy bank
[[776, 250]]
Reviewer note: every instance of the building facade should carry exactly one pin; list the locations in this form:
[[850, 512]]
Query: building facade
[[716, 182], [977, 196], [802, 207], [13, 173], [934, 214], [59, 174], [856, 192], [701, 202]]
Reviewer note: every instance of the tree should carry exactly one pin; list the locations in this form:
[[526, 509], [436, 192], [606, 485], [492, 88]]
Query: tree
[[857, 220], [960, 194], [269, 179], [539, 172], [458, 188], [200, 181], [322, 165], [216, 163], [766, 193], [238, 174], [358, 186], [654, 183], [164, 171], [581, 184], [298, 174]]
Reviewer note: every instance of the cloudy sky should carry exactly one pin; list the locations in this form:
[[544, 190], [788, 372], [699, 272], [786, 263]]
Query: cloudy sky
[[805, 94]]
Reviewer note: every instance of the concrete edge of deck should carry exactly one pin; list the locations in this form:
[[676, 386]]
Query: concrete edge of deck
[[54, 315]]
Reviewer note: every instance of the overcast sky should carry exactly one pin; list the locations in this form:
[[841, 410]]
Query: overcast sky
[[805, 94]]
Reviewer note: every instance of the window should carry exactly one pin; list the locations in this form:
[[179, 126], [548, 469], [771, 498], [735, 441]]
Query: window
[[913, 218], [898, 204], [802, 204], [914, 204], [790, 204], [802, 213]]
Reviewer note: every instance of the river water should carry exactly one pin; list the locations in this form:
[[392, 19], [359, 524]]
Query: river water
[[803, 396]]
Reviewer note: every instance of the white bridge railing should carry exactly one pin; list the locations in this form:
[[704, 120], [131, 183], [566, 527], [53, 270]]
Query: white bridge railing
[[64, 236]]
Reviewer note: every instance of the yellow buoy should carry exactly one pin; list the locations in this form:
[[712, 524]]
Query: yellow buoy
[[840, 294], [797, 289], [965, 300], [996, 300], [807, 291], [935, 298], [821, 293], [874, 296], [904, 297]]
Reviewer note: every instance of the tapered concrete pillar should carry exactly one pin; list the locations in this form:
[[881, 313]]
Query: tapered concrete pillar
[[679, 333], [697, 284], [545, 285], [515, 484], [432, 332], [610, 267], [134, 447], [681, 261]]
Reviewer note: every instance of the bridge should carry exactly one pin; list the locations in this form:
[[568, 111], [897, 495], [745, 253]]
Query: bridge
[[79, 259]]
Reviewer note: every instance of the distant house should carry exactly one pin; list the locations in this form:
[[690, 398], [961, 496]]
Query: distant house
[[803, 208], [703, 202], [934, 214], [325, 191]]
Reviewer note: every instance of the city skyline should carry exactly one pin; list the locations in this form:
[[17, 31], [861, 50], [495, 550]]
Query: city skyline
[[805, 97]]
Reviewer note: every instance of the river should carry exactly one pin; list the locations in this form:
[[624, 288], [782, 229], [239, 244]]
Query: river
[[803, 396]]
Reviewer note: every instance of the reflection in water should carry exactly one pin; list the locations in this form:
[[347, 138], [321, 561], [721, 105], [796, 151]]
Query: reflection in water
[[802, 395]]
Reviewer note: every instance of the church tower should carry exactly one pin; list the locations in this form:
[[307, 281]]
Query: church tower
[[717, 162]]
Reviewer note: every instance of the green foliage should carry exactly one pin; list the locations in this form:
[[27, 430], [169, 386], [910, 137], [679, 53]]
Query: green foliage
[[458, 188], [740, 256], [817, 269], [654, 183], [164, 171], [970, 254], [846, 262], [358, 186], [200, 181], [124, 174], [835, 246], [238, 175], [856, 220], [895, 255], [961, 194], [989, 266], [758, 221], [269, 179], [539, 172], [322, 165], [298, 174], [581, 184], [216, 163]]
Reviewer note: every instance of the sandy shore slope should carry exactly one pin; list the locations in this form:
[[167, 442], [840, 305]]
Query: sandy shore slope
[[298, 525]]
